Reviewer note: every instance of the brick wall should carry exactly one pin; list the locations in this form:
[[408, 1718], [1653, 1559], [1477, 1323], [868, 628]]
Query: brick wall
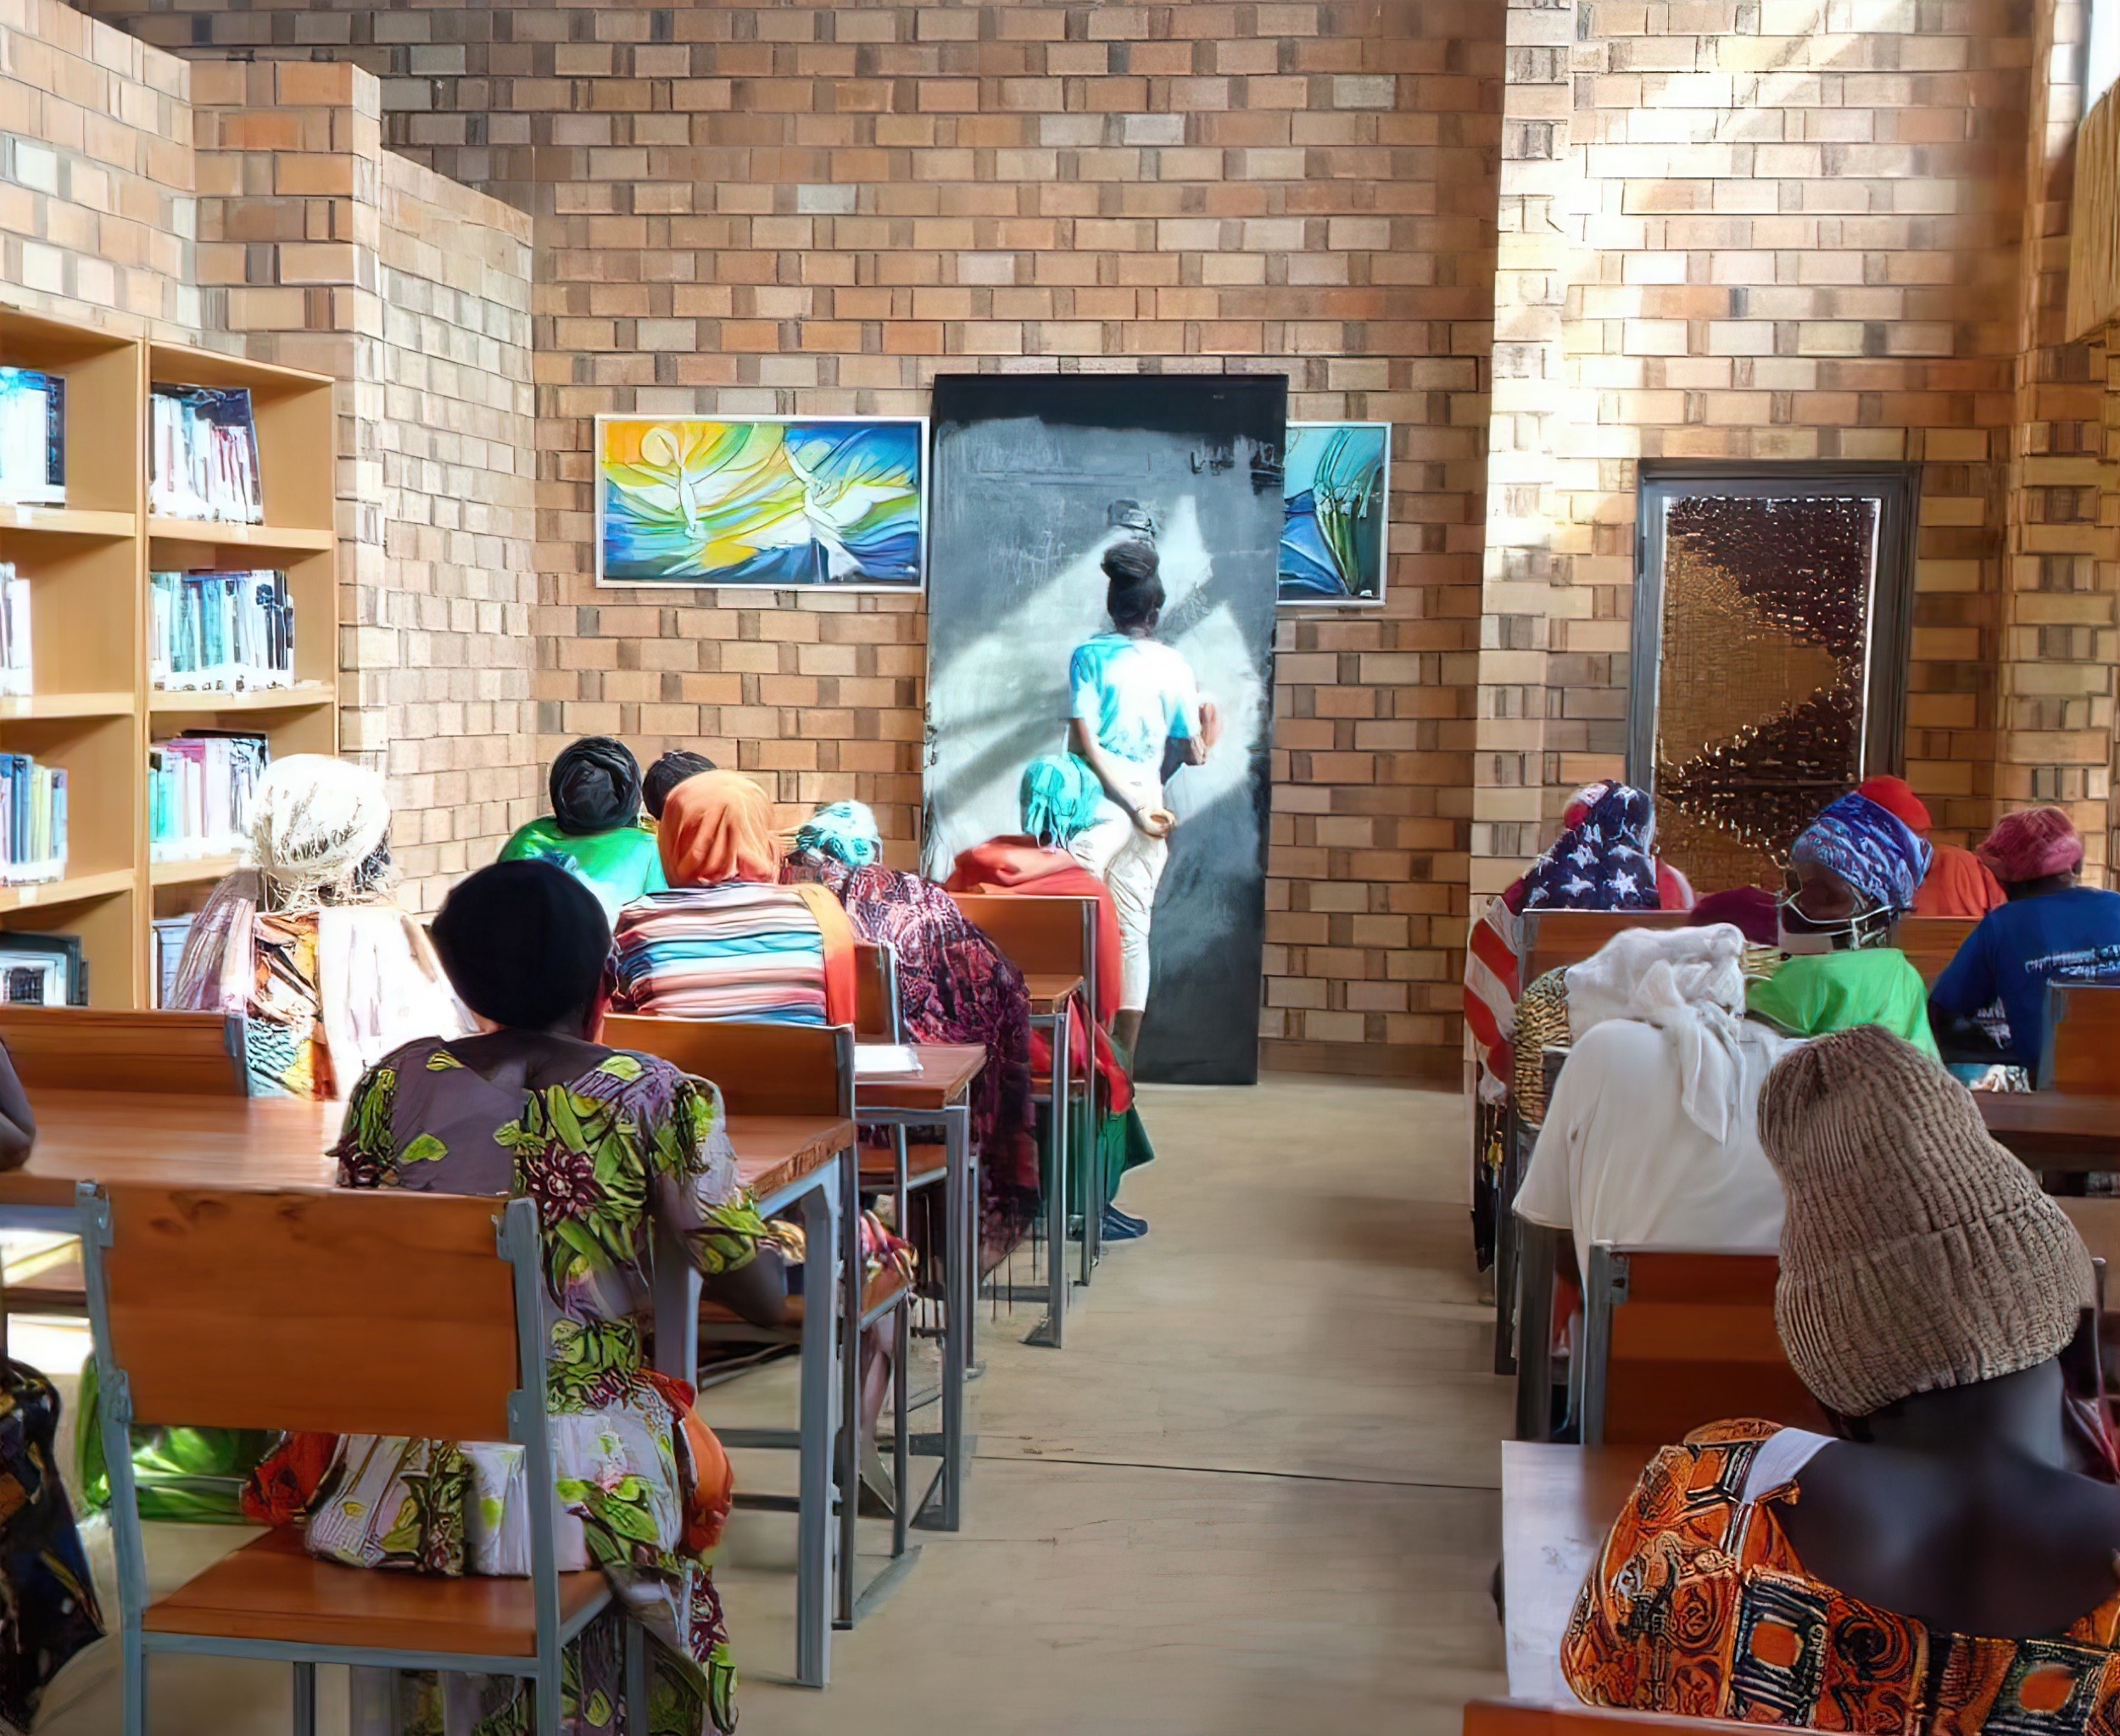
[[1787, 230], [814, 209]]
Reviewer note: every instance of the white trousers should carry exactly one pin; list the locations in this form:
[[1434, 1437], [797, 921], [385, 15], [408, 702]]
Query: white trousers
[[1131, 863]]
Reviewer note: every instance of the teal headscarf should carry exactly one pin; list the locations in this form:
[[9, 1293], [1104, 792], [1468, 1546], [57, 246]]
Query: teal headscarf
[[1061, 796], [845, 831]]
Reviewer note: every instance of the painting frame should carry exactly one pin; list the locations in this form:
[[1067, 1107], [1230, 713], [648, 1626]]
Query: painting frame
[[915, 587], [1286, 598]]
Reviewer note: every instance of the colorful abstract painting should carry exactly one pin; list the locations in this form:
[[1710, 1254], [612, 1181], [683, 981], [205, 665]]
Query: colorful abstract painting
[[1335, 533], [839, 502]]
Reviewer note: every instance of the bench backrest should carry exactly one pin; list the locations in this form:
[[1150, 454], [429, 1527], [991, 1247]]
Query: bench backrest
[[1674, 1338], [876, 1015], [259, 1310], [2081, 1054], [761, 1069], [1549, 939], [77, 1048], [1931, 942], [1040, 936]]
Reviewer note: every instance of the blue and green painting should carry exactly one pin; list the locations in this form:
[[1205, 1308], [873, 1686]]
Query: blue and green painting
[[1333, 539], [835, 503]]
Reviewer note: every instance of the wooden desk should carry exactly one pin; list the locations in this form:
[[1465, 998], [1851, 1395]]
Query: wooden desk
[[1050, 990], [285, 1143], [1558, 1503], [2054, 1131], [946, 1073]]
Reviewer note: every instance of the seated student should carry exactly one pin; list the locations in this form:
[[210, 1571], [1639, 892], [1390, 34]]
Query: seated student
[[310, 943], [606, 1142], [1957, 883], [1650, 1137], [954, 987], [667, 773], [594, 830], [728, 941], [1059, 798], [1853, 873], [2051, 930], [1946, 1563]]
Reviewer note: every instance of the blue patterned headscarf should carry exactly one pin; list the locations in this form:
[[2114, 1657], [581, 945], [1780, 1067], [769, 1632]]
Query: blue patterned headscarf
[[1060, 797], [1602, 862], [1869, 847], [845, 831]]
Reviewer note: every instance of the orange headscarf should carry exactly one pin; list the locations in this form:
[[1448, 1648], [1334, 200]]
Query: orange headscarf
[[717, 827]]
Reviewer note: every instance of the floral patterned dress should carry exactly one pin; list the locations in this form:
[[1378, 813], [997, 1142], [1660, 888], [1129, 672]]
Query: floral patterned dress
[[605, 1143]]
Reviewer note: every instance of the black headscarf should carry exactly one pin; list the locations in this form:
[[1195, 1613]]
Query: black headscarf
[[524, 943], [668, 773], [595, 787]]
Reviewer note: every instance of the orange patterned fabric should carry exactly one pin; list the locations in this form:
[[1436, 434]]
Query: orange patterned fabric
[[1697, 1605]]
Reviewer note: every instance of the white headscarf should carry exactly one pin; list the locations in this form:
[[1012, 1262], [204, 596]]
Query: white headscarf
[[313, 821], [1689, 984]]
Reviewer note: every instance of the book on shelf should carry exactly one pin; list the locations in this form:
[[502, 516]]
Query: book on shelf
[[32, 820], [199, 788], [220, 632], [170, 933], [32, 438], [42, 970], [15, 633], [203, 455]]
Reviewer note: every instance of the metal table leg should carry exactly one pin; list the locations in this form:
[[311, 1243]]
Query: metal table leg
[[961, 1302], [1055, 1329], [853, 1287], [815, 1534]]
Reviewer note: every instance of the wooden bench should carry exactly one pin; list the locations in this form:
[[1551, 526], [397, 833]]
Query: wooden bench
[[1551, 939], [74, 1048], [1674, 1338], [256, 1310], [1931, 942], [2080, 1056]]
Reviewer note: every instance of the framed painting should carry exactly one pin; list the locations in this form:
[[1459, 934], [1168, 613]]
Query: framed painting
[[832, 502], [1336, 526]]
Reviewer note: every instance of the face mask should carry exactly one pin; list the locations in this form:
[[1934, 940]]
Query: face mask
[[1798, 935]]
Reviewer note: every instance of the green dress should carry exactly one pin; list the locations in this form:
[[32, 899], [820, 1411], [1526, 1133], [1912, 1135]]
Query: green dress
[[618, 866], [1817, 992]]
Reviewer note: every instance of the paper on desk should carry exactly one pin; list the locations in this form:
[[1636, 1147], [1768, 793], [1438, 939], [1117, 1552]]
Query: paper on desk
[[878, 1060]]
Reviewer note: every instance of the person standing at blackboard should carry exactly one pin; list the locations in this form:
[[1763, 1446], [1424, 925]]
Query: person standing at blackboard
[[1133, 697]]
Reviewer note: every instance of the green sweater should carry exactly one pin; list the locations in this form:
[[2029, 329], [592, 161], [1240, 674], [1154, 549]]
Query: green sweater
[[618, 866], [1817, 992]]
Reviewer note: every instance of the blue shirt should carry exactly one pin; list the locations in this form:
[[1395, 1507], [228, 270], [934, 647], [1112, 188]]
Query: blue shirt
[[1134, 694], [2071, 936]]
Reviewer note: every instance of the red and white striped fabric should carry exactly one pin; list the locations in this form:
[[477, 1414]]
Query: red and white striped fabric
[[1490, 985]]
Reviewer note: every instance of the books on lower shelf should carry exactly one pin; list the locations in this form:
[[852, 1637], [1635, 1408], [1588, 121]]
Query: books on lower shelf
[[32, 438], [32, 820], [199, 787], [170, 933], [15, 633], [203, 455], [220, 632], [42, 970]]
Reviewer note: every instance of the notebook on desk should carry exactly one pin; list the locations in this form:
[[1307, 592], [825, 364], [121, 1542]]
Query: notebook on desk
[[883, 1060]]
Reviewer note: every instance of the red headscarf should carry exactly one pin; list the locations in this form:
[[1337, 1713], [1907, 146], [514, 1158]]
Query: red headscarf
[[1896, 796], [2030, 845], [1957, 884]]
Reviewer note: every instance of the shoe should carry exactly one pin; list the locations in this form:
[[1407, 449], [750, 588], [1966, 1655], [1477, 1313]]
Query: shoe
[[1120, 1227]]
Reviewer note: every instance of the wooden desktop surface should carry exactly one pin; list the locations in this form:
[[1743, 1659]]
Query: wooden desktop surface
[[1558, 1503], [1049, 991], [2055, 1130], [946, 1073], [120, 1136]]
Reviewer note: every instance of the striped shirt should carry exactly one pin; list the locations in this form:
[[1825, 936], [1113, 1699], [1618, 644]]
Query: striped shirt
[[737, 951]]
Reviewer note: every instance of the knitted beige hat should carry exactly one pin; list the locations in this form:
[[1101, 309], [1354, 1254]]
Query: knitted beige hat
[[1916, 1254]]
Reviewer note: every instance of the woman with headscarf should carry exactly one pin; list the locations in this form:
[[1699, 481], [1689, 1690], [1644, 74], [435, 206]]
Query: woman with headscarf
[[728, 941], [1852, 874], [1059, 797], [1957, 883], [594, 830], [307, 941], [2051, 929], [1941, 1563], [954, 987], [608, 1144]]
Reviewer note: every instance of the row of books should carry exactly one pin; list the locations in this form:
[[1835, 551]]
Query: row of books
[[42, 970], [199, 790], [170, 933], [220, 631], [32, 438], [32, 820], [202, 454]]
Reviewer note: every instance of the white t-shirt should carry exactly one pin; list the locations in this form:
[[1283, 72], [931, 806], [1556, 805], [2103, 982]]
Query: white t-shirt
[[1619, 1159], [1134, 694]]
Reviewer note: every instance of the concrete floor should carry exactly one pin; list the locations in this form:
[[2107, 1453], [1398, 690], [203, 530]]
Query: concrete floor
[[1255, 1492]]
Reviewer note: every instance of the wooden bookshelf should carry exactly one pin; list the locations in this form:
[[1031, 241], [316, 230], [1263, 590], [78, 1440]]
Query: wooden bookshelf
[[92, 711]]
